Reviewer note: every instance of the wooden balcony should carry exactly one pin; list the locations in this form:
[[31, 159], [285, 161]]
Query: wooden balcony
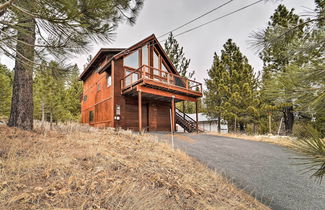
[[159, 82]]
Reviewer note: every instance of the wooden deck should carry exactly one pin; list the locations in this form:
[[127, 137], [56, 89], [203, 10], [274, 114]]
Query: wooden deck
[[160, 83]]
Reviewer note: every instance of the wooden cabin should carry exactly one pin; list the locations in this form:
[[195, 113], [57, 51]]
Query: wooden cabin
[[136, 88]]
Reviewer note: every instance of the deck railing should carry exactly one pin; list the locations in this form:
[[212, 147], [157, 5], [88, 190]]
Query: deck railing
[[134, 76]]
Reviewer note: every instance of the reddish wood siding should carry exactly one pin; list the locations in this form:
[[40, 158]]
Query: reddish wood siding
[[98, 101]]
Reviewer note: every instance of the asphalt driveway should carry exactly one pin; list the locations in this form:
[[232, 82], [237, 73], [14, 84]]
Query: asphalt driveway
[[264, 170]]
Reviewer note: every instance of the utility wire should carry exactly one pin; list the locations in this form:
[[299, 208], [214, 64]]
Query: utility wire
[[191, 21], [223, 16]]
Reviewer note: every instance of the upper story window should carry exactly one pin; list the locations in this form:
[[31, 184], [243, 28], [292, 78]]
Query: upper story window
[[98, 87], [163, 67], [85, 98], [132, 60], [155, 60], [109, 80], [145, 55]]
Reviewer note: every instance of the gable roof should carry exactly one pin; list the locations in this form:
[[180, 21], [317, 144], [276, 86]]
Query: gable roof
[[120, 52], [154, 42], [99, 54]]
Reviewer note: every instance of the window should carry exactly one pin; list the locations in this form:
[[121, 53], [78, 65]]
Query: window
[[91, 116], [155, 60], [145, 55], [109, 80], [164, 72], [163, 67], [131, 77], [85, 98], [98, 87], [132, 60], [155, 63]]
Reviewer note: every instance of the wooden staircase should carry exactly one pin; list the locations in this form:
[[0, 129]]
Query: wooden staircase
[[186, 122]]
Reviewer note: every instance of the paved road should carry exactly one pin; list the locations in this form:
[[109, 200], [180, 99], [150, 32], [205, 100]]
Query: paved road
[[264, 170]]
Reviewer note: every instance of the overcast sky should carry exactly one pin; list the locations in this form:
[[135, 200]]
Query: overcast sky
[[161, 16]]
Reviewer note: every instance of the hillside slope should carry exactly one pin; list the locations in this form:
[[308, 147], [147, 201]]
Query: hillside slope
[[93, 169]]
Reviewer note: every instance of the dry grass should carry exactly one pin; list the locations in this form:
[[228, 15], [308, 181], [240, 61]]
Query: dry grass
[[86, 168], [280, 140]]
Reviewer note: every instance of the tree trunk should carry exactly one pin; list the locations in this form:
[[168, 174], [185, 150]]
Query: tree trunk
[[43, 114], [241, 127], [270, 123], [254, 128], [235, 125], [288, 119], [51, 121], [219, 123], [21, 114]]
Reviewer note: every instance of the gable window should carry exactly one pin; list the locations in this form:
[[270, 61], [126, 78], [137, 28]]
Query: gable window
[[163, 67], [164, 72], [85, 98], [109, 80], [98, 87], [91, 116], [145, 57], [132, 60], [155, 63], [155, 60]]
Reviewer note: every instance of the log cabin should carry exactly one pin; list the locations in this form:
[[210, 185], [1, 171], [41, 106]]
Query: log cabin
[[136, 88]]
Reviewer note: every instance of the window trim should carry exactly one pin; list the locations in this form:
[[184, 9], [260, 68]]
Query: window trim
[[91, 116], [139, 58], [110, 84]]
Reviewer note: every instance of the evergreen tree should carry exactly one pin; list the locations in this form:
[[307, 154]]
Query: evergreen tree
[[302, 82], [277, 56], [37, 27], [176, 54], [74, 94], [57, 93], [231, 88], [215, 95], [5, 90]]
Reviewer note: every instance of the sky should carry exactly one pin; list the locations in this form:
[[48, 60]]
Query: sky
[[160, 16]]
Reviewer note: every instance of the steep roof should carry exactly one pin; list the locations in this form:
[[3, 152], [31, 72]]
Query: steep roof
[[121, 52], [97, 57]]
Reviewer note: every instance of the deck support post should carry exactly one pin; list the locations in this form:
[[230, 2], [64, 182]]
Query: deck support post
[[184, 109], [140, 111], [173, 114], [197, 117]]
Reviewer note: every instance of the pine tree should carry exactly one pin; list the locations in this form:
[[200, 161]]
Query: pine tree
[[5, 90], [277, 56], [302, 81], [39, 27], [232, 87], [216, 90], [176, 54], [73, 94], [57, 93]]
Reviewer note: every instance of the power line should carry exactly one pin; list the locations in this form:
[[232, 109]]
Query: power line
[[223, 16], [201, 25], [191, 21]]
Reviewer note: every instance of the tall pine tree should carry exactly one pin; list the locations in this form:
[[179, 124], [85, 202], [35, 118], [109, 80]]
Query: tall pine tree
[[231, 88], [57, 93], [176, 54], [277, 56]]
